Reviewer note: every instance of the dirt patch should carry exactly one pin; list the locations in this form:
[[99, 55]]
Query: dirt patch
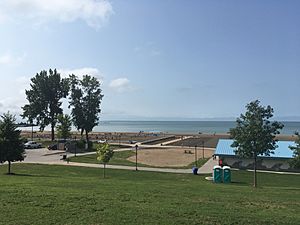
[[170, 157]]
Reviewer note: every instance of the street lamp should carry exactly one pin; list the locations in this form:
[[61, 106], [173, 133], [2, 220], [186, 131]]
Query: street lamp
[[202, 149], [136, 148], [196, 158], [75, 148]]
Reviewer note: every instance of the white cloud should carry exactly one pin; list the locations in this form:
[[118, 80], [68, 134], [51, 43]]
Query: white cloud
[[94, 12], [9, 59], [155, 52], [81, 71], [120, 85], [148, 48]]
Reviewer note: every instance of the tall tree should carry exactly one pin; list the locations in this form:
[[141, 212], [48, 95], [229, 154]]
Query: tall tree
[[11, 144], [64, 126], [104, 154], [295, 162], [85, 103], [44, 99], [255, 134]]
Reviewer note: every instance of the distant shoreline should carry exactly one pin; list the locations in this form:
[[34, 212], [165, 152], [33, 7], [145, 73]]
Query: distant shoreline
[[125, 135]]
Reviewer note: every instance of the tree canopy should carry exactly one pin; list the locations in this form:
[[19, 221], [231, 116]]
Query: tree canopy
[[85, 100], [44, 97], [295, 162], [104, 154], [64, 126], [11, 144], [254, 133]]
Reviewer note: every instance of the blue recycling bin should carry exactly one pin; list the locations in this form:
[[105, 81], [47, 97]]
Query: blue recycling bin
[[195, 170]]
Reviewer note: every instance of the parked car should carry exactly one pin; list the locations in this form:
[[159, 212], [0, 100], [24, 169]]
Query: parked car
[[102, 141], [52, 147], [32, 144]]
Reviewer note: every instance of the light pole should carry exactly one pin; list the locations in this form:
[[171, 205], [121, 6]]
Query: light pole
[[75, 148], [136, 148], [32, 132], [196, 158], [202, 149]]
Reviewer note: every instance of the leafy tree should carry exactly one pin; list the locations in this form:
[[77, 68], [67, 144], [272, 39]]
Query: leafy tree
[[254, 134], [44, 99], [11, 143], [295, 162], [104, 154], [85, 103], [64, 126]]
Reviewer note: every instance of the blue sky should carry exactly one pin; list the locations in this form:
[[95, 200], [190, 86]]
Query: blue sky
[[170, 59]]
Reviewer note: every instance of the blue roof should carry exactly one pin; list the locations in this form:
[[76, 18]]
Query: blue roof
[[282, 151]]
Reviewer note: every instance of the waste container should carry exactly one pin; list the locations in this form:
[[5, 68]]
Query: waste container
[[195, 170], [217, 174], [226, 174]]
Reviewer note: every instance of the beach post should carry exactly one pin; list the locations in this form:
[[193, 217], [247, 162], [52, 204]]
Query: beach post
[[136, 148]]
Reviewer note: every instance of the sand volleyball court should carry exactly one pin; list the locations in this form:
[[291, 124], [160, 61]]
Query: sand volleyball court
[[176, 157]]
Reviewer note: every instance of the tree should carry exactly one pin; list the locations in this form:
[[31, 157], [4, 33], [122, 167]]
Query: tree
[[85, 103], [254, 134], [11, 144], [64, 126], [295, 162], [44, 99], [104, 154]]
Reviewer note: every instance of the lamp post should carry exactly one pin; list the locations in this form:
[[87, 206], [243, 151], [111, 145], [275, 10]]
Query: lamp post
[[136, 148], [196, 158], [202, 149], [32, 132], [75, 147]]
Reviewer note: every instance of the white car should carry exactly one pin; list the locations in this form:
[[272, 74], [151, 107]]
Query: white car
[[32, 144]]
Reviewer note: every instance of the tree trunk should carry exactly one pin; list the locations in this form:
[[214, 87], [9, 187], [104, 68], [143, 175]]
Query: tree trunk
[[52, 131], [255, 177], [87, 140], [104, 171], [9, 164]]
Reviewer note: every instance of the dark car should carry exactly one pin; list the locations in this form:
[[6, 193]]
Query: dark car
[[52, 147]]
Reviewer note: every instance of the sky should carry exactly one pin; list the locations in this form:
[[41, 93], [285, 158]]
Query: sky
[[158, 60]]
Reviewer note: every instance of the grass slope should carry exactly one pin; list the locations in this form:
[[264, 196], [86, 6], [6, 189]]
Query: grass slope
[[40, 194]]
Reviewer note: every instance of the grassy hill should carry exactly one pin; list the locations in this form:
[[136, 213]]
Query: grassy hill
[[40, 194]]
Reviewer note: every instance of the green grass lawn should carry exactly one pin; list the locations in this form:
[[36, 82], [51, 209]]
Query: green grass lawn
[[120, 158], [41, 194]]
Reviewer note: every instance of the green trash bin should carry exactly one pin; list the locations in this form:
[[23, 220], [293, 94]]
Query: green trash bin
[[217, 174], [226, 174]]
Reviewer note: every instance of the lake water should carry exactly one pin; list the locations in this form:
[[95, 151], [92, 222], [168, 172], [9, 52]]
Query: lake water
[[192, 127]]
